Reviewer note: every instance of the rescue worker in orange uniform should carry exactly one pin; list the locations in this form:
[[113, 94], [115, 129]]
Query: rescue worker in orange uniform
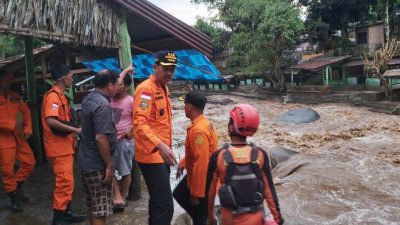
[[152, 124], [201, 142], [58, 136], [244, 122], [14, 132]]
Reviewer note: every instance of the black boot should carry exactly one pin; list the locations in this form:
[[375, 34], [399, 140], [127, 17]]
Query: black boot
[[71, 217], [15, 202], [58, 218], [22, 195]]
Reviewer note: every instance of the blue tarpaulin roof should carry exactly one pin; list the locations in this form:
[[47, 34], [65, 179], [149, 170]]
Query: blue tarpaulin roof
[[192, 65]]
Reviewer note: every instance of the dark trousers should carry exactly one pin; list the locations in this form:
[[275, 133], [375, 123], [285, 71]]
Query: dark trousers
[[161, 206], [198, 213]]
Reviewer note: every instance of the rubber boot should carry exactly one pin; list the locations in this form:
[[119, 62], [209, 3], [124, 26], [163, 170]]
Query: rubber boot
[[15, 202], [58, 218], [71, 217], [22, 195]]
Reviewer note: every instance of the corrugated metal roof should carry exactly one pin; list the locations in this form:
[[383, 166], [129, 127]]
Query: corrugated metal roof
[[394, 61], [392, 73], [319, 63], [178, 29], [353, 63]]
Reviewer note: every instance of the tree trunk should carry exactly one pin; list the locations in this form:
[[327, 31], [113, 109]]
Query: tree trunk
[[386, 27], [386, 87], [278, 63]]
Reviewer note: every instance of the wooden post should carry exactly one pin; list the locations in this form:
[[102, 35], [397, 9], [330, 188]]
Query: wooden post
[[30, 77], [125, 59], [292, 74]]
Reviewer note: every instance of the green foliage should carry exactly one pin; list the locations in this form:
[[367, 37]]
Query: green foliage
[[260, 32], [218, 35], [11, 45]]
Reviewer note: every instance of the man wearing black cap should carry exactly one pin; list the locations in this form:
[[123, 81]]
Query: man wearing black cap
[[201, 142], [59, 144], [152, 122]]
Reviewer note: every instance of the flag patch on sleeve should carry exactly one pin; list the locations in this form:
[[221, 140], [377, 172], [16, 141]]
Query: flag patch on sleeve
[[145, 95], [54, 106]]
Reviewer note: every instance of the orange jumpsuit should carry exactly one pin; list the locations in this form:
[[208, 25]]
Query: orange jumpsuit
[[59, 148], [152, 120], [201, 142], [217, 170], [12, 143]]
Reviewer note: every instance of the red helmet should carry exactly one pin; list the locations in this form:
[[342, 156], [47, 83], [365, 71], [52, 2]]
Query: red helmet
[[245, 119]]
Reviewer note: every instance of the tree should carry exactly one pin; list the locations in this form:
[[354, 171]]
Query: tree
[[333, 16], [261, 30], [378, 65], [385, 11], [218, 35]]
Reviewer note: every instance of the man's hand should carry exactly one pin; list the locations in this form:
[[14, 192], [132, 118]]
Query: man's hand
[[109, 175], [194, 200], [128, 133], [129, 70], [179, 171], [211, 221], [167, 154], [78, 130]]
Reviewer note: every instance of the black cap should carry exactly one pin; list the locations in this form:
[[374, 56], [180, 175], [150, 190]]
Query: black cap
[[196, 99], [166, 58], [58, 71]]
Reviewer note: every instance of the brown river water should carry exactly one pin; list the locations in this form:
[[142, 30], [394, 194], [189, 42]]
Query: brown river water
[[348, 171]]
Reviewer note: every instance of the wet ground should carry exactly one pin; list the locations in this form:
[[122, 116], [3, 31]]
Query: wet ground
[[349, 172]]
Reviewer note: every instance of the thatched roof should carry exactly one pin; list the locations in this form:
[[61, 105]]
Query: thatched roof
[[96, 23], [88, 22]]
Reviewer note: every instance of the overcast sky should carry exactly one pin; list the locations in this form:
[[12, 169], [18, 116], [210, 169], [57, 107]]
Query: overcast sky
[[182, 9]]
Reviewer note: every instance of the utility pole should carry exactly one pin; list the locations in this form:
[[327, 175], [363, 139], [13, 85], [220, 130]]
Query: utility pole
[[386, 27]]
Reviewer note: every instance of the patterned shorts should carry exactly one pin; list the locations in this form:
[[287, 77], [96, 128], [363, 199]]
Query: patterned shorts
[[98, 197]]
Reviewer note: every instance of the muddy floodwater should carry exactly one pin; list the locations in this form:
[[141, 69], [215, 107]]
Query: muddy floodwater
[[348, 171]]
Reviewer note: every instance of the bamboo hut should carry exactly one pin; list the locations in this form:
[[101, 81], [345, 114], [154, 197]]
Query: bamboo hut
[[94, 28]]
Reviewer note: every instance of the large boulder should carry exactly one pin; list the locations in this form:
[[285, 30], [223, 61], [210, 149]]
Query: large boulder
[[300, 115], [280, 154]]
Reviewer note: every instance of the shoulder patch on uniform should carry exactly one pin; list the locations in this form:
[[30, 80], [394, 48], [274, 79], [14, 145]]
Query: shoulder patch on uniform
[[198, 139], [144, 104]]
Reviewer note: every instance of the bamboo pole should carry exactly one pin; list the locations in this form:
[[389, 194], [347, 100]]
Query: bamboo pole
[[36, 139], [125, 59]]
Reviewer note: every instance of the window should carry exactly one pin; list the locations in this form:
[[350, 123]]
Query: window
[[362, 38]]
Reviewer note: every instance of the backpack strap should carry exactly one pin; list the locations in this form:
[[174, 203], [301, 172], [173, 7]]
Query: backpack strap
[[254, 161], [229, 161]]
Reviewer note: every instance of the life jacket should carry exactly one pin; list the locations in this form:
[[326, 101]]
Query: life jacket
[[242, 190]]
